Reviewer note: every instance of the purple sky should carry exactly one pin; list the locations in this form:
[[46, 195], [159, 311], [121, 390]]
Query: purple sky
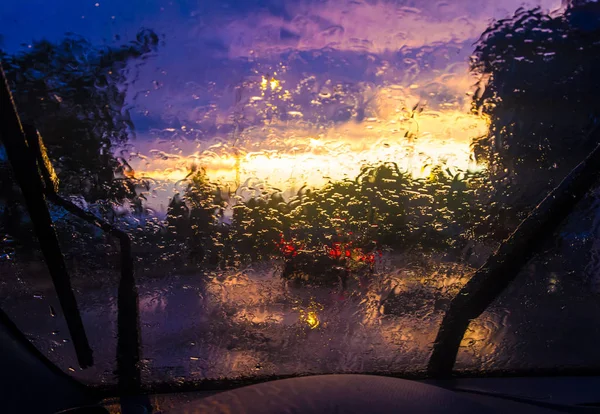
[[212, 41], [203, 83]]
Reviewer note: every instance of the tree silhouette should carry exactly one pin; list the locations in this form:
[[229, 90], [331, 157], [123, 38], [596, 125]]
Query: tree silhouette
[[193, 219], [539, 86], [74, 94]]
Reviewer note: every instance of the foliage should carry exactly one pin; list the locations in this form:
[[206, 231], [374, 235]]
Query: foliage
[[343, 225], [539, 87], [74, 94], [193, 219]]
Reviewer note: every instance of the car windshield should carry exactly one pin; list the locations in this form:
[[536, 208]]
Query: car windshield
[[306, 184]]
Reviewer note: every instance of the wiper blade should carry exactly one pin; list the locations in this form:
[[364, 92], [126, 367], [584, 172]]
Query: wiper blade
[[26, 174], [514, 253]]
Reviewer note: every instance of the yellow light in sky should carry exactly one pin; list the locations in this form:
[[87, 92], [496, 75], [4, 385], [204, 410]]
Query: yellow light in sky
[[269, 83], [291, 157], [312, 320], [289, 154]]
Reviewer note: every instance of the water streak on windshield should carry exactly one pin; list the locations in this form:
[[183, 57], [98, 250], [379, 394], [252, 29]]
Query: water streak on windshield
[[307, 184]]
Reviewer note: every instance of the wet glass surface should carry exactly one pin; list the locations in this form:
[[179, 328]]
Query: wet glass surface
[[308, 184], [27, 293], [548, 317]]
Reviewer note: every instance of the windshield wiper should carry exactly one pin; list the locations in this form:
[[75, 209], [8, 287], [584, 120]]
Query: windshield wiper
[[32, 187], [36, 178], [503, 266], [128, 326]]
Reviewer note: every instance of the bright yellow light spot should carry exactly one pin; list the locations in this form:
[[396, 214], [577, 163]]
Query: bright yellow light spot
[[315, 143], [269, 83], [289, 154], [286, 157], [274, 83], [312, 320], [168, 174]]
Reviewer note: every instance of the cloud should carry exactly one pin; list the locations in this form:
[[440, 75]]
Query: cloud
[[216, 49], [347, 72], [374, 27]]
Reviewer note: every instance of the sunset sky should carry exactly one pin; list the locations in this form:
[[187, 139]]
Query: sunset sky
[[283, 93]]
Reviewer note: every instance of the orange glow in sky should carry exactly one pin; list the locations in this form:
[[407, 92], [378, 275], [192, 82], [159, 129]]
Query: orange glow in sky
[[291, 157]]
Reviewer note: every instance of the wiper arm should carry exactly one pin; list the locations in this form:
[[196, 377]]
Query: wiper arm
[[32, 188], [504, 265], [36, 177], [128, 324]]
